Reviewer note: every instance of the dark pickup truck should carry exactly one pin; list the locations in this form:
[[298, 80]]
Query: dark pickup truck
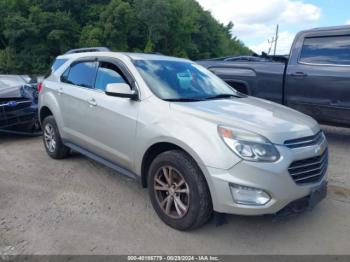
[[314, 79]]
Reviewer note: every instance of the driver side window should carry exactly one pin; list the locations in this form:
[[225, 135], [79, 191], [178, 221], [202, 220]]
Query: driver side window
[[108, 73]]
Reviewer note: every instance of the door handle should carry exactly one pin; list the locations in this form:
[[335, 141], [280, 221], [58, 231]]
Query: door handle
[[92, 102], [60, 91], [298, 74], [334, 102]]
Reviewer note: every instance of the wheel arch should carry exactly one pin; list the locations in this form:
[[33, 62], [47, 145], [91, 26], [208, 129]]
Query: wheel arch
[[49, 105], [44, 112], [160, 147], [241, 86]]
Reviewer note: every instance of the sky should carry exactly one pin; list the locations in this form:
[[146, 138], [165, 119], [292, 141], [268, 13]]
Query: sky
[[255, 20]]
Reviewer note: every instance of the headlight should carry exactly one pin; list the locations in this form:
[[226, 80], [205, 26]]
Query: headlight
[[248, 145]]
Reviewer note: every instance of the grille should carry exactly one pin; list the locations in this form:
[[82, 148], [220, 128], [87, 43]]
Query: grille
[[20, 105], [309, 170], [15, 115], [305, 141]]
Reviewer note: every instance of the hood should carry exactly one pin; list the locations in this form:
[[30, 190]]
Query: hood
[[273, 121], [28, 91], [10, 92], [11, 86]]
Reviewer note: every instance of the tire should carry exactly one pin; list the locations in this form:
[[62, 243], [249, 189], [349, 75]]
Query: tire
[[50, 131], [195, 206]]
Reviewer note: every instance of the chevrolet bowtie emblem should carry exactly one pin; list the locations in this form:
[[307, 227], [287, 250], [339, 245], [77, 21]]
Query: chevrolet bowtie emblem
[[11, 104], [320, 149]]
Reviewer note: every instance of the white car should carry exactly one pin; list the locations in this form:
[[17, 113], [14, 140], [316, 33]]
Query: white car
[[195, 142]]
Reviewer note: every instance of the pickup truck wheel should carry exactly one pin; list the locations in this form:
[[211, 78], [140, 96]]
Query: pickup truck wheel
[[178, 191], [52, 139]]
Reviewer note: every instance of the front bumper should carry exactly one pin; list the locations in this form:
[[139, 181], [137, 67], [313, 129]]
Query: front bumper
[[273, 178], [21, 119], [305, 203]]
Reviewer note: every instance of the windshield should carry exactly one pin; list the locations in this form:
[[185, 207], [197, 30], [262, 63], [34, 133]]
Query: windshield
[[171, 80]]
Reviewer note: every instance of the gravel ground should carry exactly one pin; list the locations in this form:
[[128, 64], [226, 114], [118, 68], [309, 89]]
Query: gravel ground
[[77, 206]]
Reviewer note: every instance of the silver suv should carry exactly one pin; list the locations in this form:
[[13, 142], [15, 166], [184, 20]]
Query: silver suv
[[196, 143]]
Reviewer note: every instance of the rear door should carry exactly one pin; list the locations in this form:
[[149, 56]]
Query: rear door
[[76, 103], [318, 79]]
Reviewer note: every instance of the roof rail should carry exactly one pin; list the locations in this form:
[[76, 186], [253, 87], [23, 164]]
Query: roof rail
[[88, 49], [153, 53]]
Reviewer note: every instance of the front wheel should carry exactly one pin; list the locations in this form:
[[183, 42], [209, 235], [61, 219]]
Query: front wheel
[[178, 191]]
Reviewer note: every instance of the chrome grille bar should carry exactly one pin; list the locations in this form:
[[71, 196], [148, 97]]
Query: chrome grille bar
[[309, 170], [305, 141], [307, 164], [312, 176]]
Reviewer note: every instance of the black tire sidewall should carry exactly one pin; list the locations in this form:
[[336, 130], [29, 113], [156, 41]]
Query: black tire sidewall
[[190, 173], [61, 150]]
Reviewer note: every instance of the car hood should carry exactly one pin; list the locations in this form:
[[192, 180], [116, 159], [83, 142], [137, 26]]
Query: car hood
[[27, 91], [10, 92], [275, 122]]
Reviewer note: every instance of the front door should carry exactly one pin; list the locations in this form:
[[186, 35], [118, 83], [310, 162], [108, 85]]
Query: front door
[[319, 83], [114, 119]]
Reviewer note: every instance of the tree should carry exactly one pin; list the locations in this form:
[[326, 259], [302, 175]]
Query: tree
[[91, 36], [154, 14], [118, 20], [34, 32]]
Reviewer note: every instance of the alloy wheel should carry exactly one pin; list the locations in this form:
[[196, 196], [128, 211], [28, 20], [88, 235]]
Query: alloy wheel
[[50, 138], [172, 192]]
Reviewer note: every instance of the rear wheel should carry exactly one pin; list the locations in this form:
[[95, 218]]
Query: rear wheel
[[52, 139], [178, 191]]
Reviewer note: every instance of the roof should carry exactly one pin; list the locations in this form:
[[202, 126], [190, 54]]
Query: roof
[[146, 56], [328, 28], [130, 55]]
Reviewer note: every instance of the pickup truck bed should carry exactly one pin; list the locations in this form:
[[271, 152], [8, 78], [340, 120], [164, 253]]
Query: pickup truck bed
[[315, 79], [260, 79]]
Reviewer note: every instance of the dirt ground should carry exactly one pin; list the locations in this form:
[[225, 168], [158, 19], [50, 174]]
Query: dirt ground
[[77, 206]]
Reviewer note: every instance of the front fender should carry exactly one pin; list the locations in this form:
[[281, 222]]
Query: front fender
[[198, 137]]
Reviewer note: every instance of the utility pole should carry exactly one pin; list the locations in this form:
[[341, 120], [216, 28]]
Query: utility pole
[[276, 39], [273, 42]]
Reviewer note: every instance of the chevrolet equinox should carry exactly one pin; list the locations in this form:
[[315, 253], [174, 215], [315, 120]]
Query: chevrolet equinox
[[195, 142]]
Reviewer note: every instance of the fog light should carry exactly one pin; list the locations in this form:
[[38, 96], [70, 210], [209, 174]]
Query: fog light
[[248, 195]]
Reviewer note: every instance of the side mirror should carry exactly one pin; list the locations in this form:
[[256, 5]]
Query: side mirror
[[121, 90]]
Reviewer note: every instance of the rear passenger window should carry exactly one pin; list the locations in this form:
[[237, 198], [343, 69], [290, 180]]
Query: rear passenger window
[[108, 73], [81, 74], [57, 64], [326, 50]]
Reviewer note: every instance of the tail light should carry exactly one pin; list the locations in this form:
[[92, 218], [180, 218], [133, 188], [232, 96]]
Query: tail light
[[40, 87]]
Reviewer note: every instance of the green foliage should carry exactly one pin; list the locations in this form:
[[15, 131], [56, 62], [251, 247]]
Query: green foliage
[[34, 32]]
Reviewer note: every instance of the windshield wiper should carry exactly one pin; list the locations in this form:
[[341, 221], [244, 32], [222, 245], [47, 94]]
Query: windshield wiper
[[184, 99], [220, 96]]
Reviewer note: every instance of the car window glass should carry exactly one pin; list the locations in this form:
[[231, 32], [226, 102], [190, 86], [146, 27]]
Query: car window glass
[[181, 79], [64, 76], [326, 50], [57, 64], [81, 74], [108, 73]]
